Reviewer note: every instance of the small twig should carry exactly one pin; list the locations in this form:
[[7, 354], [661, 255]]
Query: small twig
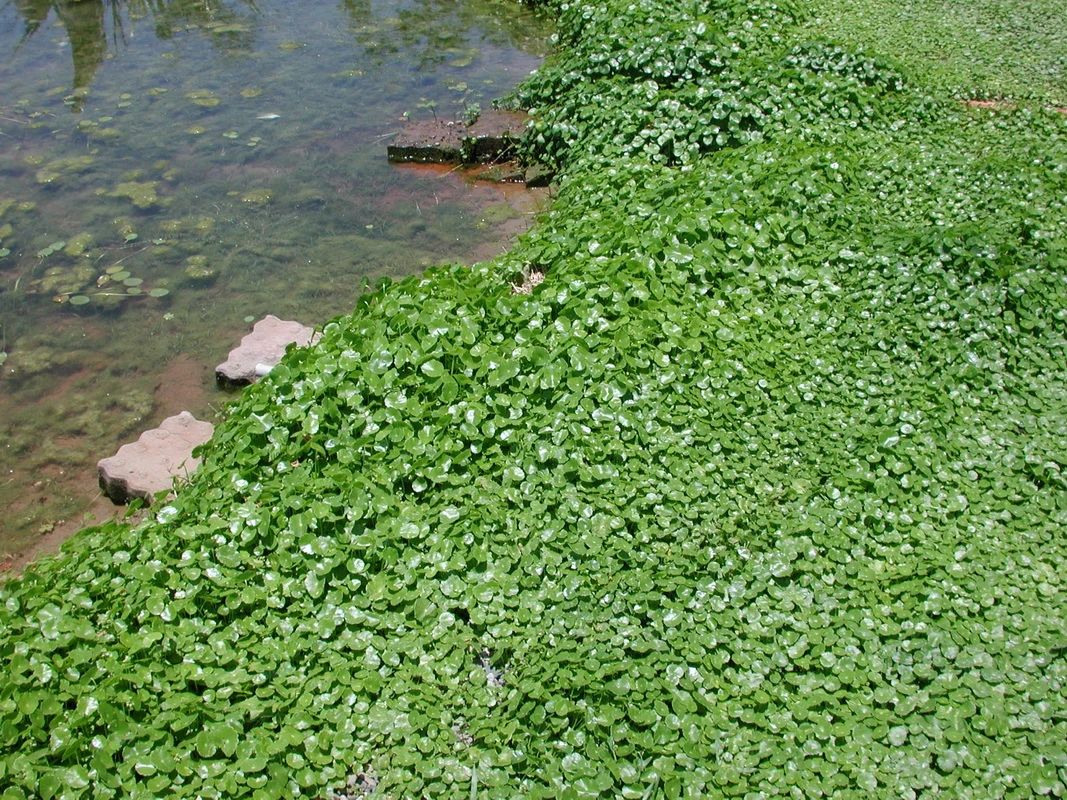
[[131, 255]]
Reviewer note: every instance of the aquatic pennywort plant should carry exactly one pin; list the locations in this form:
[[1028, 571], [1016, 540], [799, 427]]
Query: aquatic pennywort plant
[[760, 492]]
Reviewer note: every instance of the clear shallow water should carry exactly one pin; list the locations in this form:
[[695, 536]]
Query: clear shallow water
[[171, 170]]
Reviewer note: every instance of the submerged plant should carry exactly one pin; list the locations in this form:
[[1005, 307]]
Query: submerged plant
[[141, 193]]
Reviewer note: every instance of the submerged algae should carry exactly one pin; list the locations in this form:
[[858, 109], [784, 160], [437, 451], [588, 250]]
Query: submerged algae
[[53, 171], [203, 98], [78, 244], [141, 193], [257, 197], [64, 279], [197, 269]]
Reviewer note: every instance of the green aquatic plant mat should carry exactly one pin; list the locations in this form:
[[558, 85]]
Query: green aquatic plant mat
[[759, 494], [992, 49]]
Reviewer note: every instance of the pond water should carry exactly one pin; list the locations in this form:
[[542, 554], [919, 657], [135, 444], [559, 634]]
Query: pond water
[[171, 170]]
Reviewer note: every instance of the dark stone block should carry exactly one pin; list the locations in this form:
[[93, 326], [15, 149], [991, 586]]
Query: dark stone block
[[494, 135], [430, 142], [538, 175]]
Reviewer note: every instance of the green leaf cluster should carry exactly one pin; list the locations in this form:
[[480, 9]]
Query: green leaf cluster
[[760, 493], [671, 81], [992, 49]]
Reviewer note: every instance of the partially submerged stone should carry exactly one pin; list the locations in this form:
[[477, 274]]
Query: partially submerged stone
[[261, 349], [538, 176], [149, 466], [494, 136], [488, 146], [430, 142], [505, 172]]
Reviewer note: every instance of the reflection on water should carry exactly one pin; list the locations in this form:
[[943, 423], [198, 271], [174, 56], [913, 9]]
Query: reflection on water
[[95, 27], [84, 24], [405, 30], [226, 161]]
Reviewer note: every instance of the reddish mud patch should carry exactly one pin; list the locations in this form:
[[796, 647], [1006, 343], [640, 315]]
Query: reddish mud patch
[[98, 510], [184, 385], [1006, 105], [991, 105], [62, 497]]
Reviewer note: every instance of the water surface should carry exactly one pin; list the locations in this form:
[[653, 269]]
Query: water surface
[[171, 170]]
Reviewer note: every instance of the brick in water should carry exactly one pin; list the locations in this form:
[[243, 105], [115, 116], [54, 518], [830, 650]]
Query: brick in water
[[261, 349], [494, 135], [149, 466], [429, 142]]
